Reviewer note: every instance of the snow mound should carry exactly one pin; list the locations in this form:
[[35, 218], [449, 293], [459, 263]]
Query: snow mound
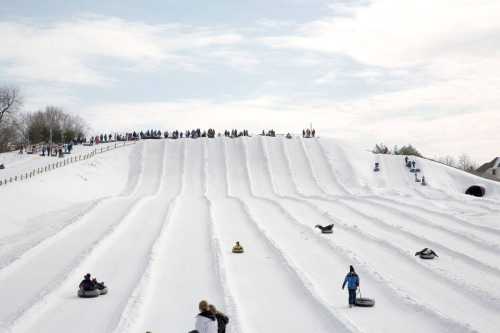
[[157, 221]]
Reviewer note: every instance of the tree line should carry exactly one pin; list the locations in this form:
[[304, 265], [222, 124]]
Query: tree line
[[463, 162], [49, 125]]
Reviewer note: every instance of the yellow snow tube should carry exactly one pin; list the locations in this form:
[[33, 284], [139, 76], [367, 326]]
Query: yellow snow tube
[[238, 249]]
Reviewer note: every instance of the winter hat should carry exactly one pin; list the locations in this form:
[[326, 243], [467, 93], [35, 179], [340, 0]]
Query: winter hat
[[203, 306], [87, 276], [351, 269]]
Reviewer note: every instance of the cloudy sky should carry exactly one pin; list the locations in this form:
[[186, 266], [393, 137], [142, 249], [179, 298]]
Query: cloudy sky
[[394, 71]]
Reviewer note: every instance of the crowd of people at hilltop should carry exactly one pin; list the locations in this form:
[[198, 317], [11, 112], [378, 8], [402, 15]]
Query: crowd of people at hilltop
[[198, 133], [270, 132], [60, 149], [234, 133], [308, 133]]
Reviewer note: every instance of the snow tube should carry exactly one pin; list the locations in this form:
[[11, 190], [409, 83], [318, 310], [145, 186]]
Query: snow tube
[[238, 250], [476, 190], [376, 169], [364, 302], [427, 256], [88, 293], [327, 231], [103, 291]]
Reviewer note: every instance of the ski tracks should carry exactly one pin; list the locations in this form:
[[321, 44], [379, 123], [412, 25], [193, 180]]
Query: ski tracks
[[91, 246], [182, 272], [390, 299], [369, 249], [282, 300]]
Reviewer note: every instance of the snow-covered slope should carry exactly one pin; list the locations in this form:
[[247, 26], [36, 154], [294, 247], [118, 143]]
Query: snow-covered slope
[[156, 221]]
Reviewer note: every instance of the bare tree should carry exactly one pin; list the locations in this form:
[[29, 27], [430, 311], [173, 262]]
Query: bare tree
[[53, 124], [448, 160], [466, 163], [10, 101]]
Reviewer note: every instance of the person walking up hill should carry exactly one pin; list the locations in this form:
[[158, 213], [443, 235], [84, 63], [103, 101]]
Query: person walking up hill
[[352, 281]]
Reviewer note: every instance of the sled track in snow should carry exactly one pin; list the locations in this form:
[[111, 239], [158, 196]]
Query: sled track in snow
[[229, 298], [132, 184], [405, 259], [300, 274], [288, 273], [348, 256], [331, 170], [404, 254], [322, 199], [50, 299], [135, 306], [164, 242], [485, 247], [439, 214], [40, 294]]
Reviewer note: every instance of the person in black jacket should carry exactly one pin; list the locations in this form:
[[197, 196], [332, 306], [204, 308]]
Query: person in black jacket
[[222, 319], [87, 283]]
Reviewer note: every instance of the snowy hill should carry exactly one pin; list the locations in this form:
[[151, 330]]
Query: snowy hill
[[156, 221]]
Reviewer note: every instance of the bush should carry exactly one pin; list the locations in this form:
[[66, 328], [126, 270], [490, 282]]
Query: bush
[[407, 150], [381, 149]]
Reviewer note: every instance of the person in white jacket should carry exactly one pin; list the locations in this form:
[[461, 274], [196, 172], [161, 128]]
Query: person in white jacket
[[205, 320]]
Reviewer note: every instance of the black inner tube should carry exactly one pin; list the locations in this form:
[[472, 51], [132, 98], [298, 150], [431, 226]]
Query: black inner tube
[[476, 190]]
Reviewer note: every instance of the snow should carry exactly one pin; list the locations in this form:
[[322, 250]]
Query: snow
[[156, 221]]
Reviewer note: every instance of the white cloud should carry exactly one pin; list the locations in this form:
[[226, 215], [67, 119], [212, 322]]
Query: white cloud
[[70, 51], [394, 33], [450, 47]]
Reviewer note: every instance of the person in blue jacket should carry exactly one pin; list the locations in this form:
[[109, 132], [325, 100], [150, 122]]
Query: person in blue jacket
[[352, 281]]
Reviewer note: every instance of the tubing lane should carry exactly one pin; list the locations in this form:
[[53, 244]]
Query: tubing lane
[[184, 270], [332, 259], [450, 222], [331, 183], [18, 245], [466, 306], [137, 307], [112, 259], [484, 257], [281, 299], [50, 264], [468, 252]]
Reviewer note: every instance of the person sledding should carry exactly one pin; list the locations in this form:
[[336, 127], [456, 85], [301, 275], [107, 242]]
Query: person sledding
[[237, 248], [325, 229], [87, 284], [352, 281], [103, 290], [87, 288], [426, 253]]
